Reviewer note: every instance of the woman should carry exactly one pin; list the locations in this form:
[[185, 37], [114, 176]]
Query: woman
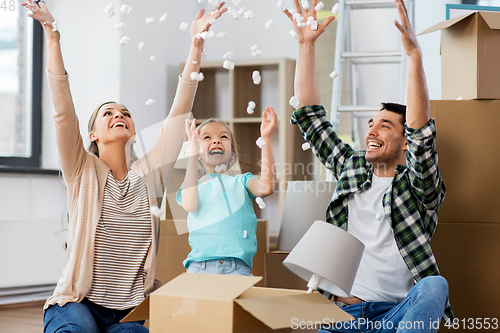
[[112, 236]]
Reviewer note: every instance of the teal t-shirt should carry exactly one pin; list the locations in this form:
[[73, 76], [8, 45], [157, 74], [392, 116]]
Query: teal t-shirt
[[225, 215]]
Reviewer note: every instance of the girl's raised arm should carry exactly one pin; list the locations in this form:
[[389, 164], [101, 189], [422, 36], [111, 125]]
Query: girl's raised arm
[[189, 192], [265, 185]]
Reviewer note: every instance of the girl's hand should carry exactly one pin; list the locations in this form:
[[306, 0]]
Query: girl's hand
[[40, 12], [306, 34], [267, 127], [193, 137], [202, 22]]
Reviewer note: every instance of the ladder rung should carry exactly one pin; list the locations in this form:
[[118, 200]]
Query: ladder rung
[[358, 108], [362, 4], [372, 54]]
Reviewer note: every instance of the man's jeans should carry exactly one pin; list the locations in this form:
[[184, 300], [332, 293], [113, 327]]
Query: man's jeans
[[88, 317], [420, 311]]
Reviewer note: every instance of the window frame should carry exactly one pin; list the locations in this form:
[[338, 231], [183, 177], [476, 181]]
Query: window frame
[[33, 161]]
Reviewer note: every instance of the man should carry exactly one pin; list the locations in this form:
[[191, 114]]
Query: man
[[387, 196]]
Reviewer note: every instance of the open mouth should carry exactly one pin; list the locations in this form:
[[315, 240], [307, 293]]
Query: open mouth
[[119, 124], [216, 152], [372, 145]]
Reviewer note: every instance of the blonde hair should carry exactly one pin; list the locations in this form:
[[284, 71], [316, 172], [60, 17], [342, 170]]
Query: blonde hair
[[93, 148], [234, 165]]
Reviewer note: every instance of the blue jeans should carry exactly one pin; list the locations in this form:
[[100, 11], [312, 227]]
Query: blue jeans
[[88, 317], [231, 266], [420, 311]]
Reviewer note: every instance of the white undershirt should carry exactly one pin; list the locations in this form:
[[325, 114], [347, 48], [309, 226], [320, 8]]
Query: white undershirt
[[382, 275]]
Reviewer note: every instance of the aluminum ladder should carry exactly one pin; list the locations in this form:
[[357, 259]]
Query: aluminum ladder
[[344, 54]]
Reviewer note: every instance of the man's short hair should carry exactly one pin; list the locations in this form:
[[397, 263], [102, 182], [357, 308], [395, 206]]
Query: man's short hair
[[396, 108]]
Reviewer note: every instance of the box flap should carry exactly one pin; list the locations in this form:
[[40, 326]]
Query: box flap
[[208, 286], [141, 312], [445, 24], [258, 292], [492, 19], [282, 311]]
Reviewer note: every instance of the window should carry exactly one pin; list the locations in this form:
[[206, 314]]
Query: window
[[20, 87]]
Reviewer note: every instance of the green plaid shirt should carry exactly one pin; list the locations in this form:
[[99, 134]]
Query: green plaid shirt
[[411, 204]]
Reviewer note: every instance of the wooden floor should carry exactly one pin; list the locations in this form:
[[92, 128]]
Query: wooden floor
[[26, 318]]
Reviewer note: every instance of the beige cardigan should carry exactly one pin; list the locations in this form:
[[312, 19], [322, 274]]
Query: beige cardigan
[[85, 176]]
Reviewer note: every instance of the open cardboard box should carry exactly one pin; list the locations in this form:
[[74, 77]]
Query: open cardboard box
[[470, 45], [227, 303]]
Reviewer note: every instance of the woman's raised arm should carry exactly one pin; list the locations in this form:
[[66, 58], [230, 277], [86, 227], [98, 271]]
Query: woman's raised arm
[[55, 63]]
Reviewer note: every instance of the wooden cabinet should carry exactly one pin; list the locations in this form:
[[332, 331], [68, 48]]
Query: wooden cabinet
[[225, 94]]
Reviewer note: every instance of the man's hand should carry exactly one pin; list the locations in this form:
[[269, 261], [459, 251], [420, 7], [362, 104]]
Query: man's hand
[[306, 34], [408, 37]]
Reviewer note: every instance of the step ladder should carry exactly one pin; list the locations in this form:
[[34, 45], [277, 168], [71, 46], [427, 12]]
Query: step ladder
[[345, 55]]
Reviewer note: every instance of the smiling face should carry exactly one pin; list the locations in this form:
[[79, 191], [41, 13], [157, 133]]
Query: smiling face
[[113, 123], [216, 141], [385, 141]]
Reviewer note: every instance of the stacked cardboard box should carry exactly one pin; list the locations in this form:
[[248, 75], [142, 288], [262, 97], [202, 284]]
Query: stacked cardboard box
[[467, 240]]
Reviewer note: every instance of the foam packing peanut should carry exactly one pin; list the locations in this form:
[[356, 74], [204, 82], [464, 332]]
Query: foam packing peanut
[[294, 102], [150, 20], [120, 25], [142, 46], [126, 9], [183, 26], [336, 8], [124, 40], [163, 18], [110, 10], [334, 74], [260, 142], [319, 6], [281, 5], [306, 146], [260, 202], [150, 102], [228, 65], [156, 211]]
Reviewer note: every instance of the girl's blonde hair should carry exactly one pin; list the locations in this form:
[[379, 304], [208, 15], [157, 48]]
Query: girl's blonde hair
[[234, 165], [93, 148]]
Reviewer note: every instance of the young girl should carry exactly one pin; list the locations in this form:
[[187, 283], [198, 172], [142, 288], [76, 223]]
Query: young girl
[[112, 236], [221, 221]]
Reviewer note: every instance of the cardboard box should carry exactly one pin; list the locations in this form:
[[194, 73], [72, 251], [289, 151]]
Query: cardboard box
[[278, 276], [174, 248], [226, 303], [467, 135], [467, 256], [470, 45]]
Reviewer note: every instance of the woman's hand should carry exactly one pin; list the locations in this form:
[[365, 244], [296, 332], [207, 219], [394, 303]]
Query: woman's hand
[[40, 12], [306, 34], [267, 127], [203, 22], [194, 138]]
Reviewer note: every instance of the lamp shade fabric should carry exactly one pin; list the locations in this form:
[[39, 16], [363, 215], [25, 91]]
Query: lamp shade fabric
[[329, 252]]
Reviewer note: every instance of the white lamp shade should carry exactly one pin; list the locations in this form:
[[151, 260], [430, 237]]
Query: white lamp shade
[[330, 252]]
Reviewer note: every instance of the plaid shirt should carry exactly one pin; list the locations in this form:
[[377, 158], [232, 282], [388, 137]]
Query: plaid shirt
[[410, 204]]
